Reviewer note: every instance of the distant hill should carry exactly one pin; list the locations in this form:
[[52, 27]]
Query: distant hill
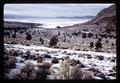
[[76, 17], [107, 15], [8, 24]]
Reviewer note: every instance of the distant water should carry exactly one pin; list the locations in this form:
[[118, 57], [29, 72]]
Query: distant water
[[52, 23]]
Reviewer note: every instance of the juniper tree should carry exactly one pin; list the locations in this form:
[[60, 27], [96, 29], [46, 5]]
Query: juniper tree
[[53, 41]]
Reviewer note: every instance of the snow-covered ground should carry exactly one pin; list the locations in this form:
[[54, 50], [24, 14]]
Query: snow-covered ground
[[105, 65]]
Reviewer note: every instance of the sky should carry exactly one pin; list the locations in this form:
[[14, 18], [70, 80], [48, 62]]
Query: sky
[[51, 10]]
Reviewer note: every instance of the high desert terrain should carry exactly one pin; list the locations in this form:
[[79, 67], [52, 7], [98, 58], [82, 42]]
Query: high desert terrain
[[80, 51]]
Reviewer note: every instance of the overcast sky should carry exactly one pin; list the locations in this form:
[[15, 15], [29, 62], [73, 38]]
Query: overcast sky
[[52, 10]]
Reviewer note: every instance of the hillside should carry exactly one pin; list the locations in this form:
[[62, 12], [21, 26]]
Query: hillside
[[107, 15], [8, 24]]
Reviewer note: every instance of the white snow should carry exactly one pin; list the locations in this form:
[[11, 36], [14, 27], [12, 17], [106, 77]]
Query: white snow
[[102, 65], [31, 47], [19, 59], [20, 65]]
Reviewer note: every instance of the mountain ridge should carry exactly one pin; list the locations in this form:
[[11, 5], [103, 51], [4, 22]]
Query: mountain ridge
[[105, 13]]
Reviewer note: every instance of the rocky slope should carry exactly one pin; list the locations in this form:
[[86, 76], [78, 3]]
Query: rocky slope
[[106, 15]]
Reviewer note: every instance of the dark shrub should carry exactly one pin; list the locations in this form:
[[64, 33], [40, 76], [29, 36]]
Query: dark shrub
[[98, 45], [100, 57], [106, 41], [91, 44], [40, 59], [44, 65], [58, 33], [14, 35], [89, 56], [90, 35], [58, 27], [84, 30], [75, 62], [102, 76], [55, 60], [75, 33], [96, 35], [113, 60], [99, 39], [64, 40], [53, 41], [10, 64], [47, 56], [41, 40], [112, 44], [41, 73], [112, 74], [6, 57], [26, 55], [15, 53], [84, 35], [13, 42], [114, 68], [28, 36], [7, 34], [82, 65], [28, 71], [21, 32]]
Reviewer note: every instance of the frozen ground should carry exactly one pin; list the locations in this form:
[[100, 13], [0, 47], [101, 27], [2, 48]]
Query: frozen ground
[[105, 65]]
